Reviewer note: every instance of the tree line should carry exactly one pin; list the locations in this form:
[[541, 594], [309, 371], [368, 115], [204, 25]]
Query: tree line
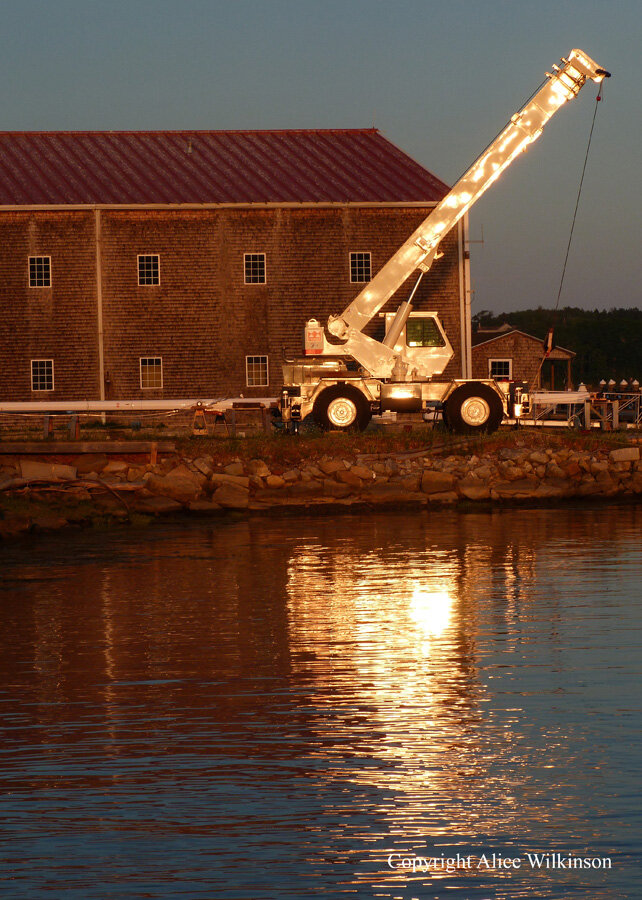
[[608, 343]]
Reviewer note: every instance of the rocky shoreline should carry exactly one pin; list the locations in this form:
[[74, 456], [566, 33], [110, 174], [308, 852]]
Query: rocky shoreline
[[38, 495]]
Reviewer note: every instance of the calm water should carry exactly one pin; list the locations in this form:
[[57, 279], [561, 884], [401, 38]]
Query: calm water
[[301, 707]]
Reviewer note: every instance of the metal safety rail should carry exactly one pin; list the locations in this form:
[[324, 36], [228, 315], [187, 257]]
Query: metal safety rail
[[628, 407], [582, 409]]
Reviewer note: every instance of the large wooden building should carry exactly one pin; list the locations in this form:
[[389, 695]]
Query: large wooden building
[[185, 264]]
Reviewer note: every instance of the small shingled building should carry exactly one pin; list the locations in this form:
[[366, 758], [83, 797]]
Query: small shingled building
[[508, 354], [181, 264]]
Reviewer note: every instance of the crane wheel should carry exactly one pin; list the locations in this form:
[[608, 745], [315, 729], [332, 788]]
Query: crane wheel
[[340, 408], [473, 407]]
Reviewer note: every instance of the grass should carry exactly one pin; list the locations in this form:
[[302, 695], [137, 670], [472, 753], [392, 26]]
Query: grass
[[289, 450], [292, 450]]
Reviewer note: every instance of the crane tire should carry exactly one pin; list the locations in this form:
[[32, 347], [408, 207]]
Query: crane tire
[[340, 408], [473, 407]]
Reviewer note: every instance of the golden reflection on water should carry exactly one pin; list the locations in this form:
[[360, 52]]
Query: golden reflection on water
[[431, 611], [406, 671]]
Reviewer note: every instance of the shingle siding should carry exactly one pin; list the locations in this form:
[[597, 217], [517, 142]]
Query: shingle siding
[[57, 322], [202, 319], [525, 351]]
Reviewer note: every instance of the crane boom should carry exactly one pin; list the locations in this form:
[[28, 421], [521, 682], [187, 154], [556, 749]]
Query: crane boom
[[421, 248]]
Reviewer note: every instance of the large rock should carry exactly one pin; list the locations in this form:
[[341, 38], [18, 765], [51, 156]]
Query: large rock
[[115, 467], [524, 487], [203, 507], [269, 497], [219, 479], [588, 489], [514, 473], [436, 482], [136, 473], [305, 489], [625, 454], [347, 476], [389, 492], [231, 496], [336, 489], [258, 467], [509, 453], [34, 470], [555, 488], [204, 465], [473, 489], [234, 468], [362, 472], [330, 466], [484, 473], [411, 483], [184, 472], [177, 487], [443, 497], [156, 506], [274, 481]]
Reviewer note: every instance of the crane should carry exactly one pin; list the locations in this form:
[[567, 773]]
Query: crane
[[342, 382]]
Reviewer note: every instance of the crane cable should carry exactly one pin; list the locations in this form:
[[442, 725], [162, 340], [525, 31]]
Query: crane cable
[[579, 194], [548, 340]]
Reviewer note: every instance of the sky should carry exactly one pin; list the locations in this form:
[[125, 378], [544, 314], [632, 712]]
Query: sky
[[438, 79]]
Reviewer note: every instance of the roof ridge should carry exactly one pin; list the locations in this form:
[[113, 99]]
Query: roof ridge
[[194, 131]]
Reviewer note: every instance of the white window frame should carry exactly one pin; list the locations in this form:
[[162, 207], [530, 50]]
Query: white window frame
[[254, 253], [40, 286], [357, 264], [257, 360], [150, 387], [42, 390], [148, 256], [502, 377]]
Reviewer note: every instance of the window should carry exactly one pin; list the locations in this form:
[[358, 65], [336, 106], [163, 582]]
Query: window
[[149, 269], [501, 369], [254, 268], [256, 369], [360, 267], [151, 372], [42, 375], [39, 271], [422, 331]]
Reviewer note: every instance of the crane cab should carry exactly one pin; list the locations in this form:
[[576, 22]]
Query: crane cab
[[422, 341]]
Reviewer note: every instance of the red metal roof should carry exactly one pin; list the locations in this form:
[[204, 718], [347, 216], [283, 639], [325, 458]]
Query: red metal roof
[[142, 167]]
